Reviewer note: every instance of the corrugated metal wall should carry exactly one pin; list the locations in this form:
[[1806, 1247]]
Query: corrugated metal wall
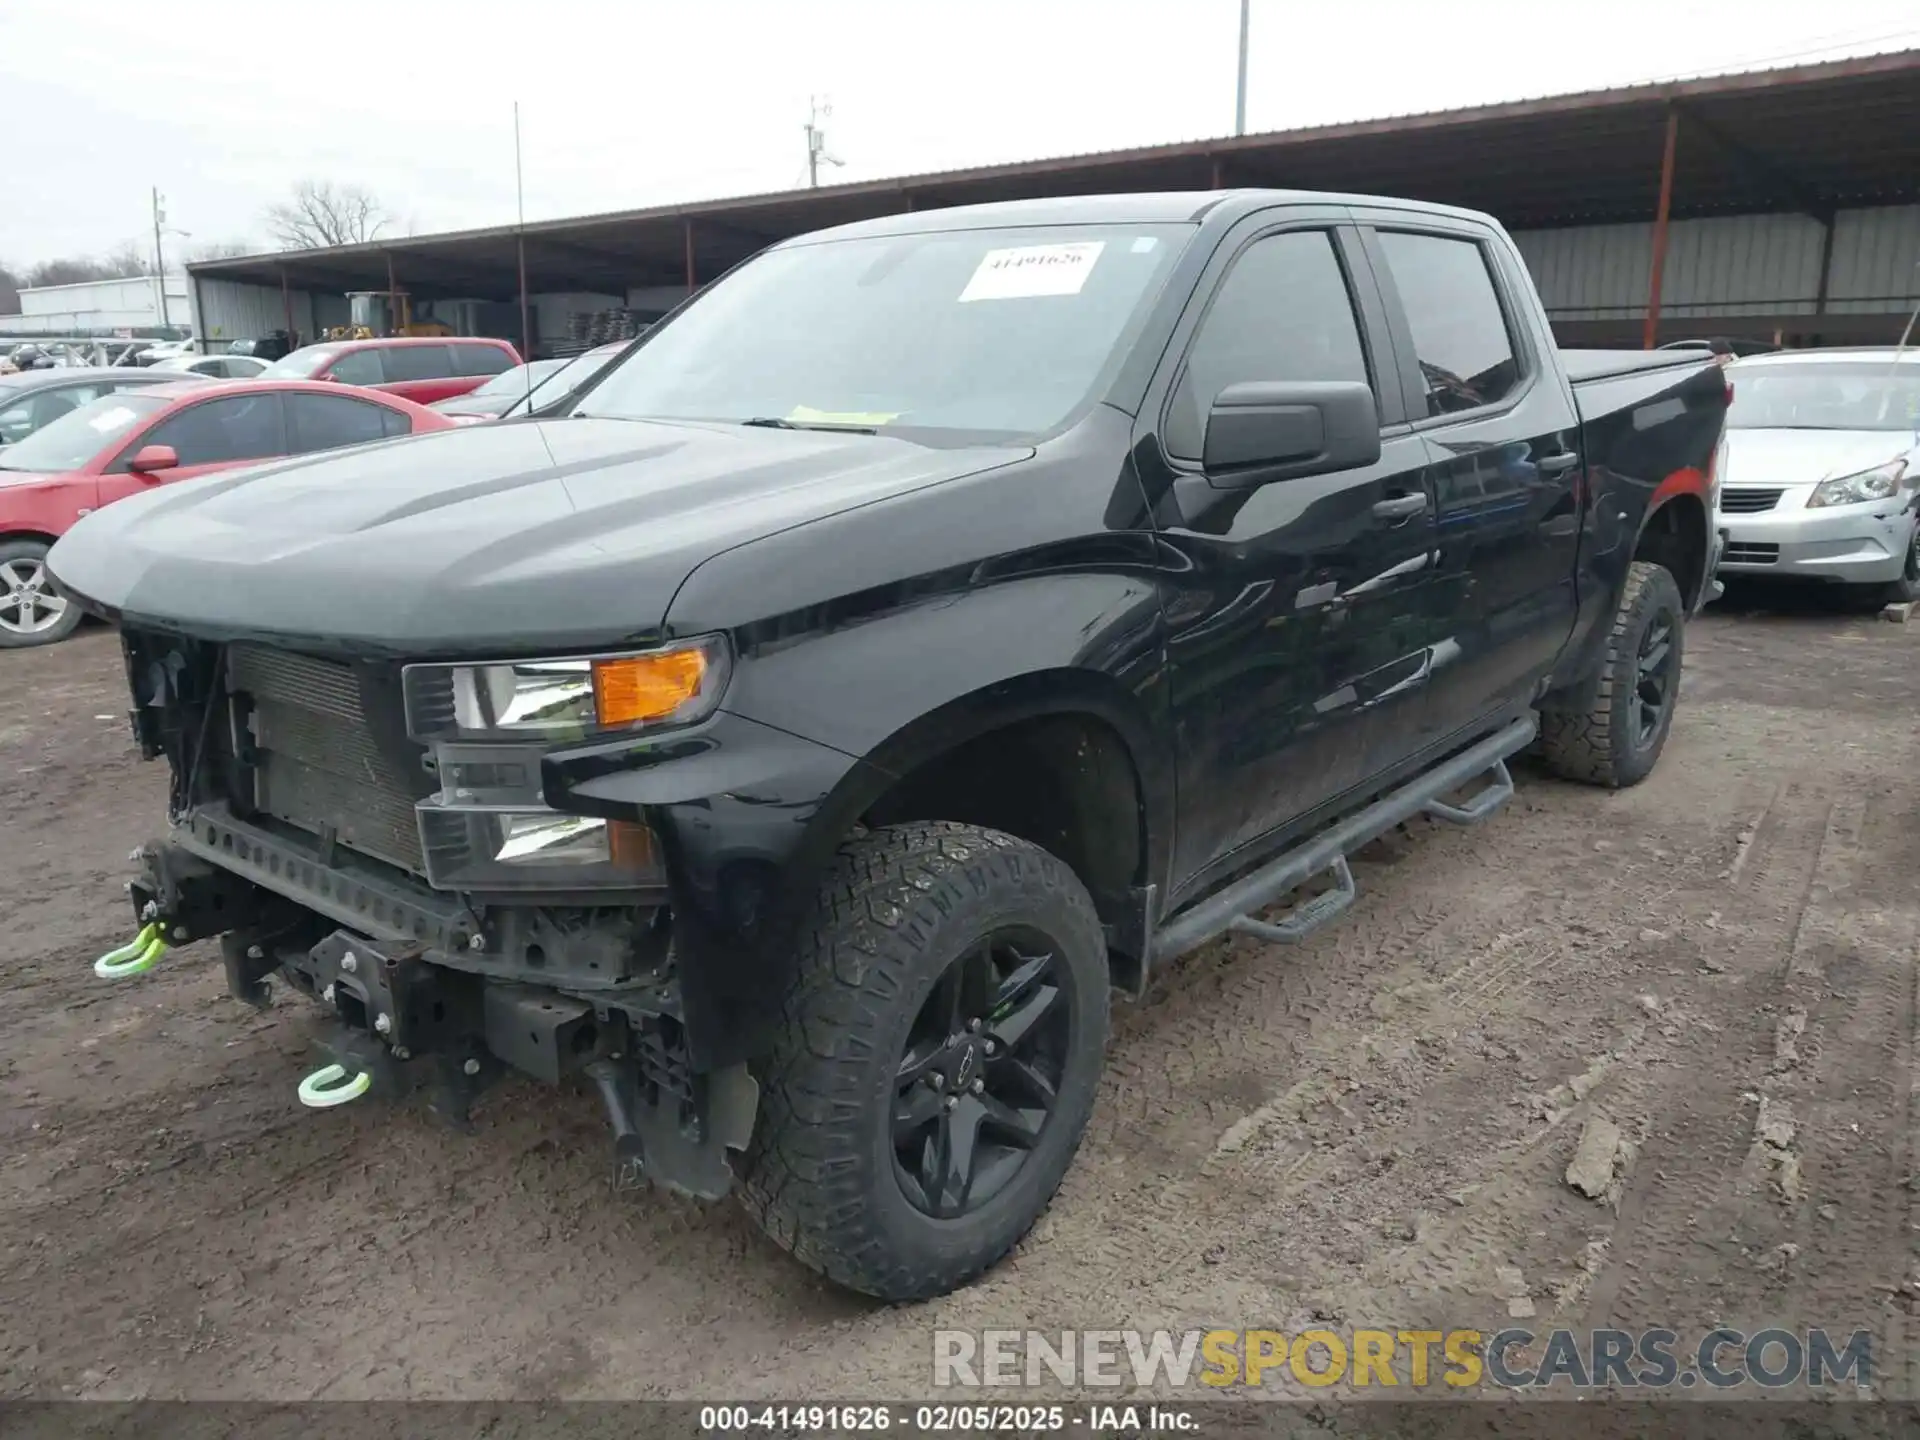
[[236, 311], [1876, 259], [1732, 265]]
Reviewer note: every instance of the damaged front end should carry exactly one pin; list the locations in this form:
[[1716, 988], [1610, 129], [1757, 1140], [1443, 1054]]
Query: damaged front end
[[377, 835]]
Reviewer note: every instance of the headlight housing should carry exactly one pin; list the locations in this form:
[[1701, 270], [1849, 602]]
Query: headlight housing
[[569, 698], [488, 723], [1880, 483]]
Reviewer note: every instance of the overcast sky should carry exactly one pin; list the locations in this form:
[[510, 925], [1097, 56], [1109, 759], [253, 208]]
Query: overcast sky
[[225, 105]]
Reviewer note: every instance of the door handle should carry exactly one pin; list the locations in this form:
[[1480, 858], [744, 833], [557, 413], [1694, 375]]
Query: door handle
[[1555, 464], [1400, 507]]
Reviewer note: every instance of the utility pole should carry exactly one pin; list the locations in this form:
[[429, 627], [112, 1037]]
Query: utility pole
[[817, 110], [159, 258], [1240, 95]]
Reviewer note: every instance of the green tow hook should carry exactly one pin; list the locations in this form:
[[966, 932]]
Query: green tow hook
[[138, 955]]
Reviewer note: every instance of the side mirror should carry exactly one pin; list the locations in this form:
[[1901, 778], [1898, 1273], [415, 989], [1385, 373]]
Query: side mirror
[[151, 458], [1266, 430]]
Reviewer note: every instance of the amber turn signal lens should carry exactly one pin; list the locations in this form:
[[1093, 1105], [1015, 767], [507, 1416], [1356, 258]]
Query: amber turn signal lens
[[646, 687], [632, 846]]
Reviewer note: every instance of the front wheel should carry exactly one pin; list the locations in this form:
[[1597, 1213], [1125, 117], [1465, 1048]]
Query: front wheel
[[942, 1044], [1618, 738], [32, 610], [1907, 587]]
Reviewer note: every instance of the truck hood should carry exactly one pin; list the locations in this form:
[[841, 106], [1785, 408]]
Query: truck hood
[[568, 533], [1806, 457]]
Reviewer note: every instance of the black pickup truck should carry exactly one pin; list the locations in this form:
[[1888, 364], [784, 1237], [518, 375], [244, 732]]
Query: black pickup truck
[[933, 628]]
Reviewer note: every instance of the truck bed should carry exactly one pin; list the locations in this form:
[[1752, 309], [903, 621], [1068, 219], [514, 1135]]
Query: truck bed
[[1611, 364]]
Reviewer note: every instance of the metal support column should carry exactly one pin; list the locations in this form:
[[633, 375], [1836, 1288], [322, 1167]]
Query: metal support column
[[687, 226], [1651, 335], [286, 309], [1219, 174], [393, 297]]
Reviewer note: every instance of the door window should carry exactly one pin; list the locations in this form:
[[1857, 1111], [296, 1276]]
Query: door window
[[481, 360], [1283, 313], [418, 362], [326, 422], [246, 427], [1459, 331], [43, 407], [359, 367]]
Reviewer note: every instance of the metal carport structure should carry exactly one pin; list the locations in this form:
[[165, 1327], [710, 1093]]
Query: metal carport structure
[[1810, 140]]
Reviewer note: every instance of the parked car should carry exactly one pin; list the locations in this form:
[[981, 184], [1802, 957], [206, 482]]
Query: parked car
[[939, 621], [1822, 471], [129, 442], [422, 370], [215, 367], [163, 350], [34, 399], [499, 394], [553, 394]]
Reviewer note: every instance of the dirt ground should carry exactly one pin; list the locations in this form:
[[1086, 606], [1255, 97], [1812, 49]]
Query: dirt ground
[[1370, 1129]]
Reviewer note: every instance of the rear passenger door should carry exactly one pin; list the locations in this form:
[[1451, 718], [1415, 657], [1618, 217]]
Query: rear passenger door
[[1503, 437], [328, 422], [1295, 637]]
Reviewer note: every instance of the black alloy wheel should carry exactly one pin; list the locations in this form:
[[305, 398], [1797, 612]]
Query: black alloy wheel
[[1654, 677], [978, 1077]]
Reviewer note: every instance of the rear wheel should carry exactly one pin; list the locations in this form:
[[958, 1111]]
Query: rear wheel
[[1617, 739], [942, 1045], [32, 610]]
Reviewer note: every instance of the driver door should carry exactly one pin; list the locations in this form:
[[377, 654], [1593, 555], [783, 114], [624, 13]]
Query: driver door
[[1297, 645], [207, 435]]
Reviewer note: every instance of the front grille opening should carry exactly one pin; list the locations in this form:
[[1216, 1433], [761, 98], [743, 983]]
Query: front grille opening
[[317, 763], [1748, 501], [1750, 554]]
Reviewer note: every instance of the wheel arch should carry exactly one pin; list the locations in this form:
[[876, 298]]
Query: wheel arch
[[1676, 532], [1066, 759]]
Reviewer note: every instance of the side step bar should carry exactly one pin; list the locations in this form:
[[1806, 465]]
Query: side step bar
[[1234, 907]]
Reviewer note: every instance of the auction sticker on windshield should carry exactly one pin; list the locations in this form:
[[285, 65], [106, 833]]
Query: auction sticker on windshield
[[1022, 270]]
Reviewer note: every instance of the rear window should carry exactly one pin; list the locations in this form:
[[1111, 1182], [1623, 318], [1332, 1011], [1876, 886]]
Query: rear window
[[74, 439], [418, 362], [481, 360]]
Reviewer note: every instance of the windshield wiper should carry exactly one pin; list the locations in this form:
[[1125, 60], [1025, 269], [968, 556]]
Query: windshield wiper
[[768, 422]]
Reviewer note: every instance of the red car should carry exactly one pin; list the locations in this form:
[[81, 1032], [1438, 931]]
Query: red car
[[124, 442], [418, 369]]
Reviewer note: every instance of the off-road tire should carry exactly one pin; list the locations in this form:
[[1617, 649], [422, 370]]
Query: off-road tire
[[1600, 744], [898, 906], [54, 634]]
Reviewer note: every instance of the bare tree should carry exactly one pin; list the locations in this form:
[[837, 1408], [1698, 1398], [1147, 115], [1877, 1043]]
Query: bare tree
[[221, 250], [9, 292], [322, 213], [123, 262]]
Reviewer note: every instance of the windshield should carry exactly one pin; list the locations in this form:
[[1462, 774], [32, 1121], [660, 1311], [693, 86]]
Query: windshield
[[302, 364], [994, 332], [562, 382], [517, 380], [74, 439], [1825, 395]]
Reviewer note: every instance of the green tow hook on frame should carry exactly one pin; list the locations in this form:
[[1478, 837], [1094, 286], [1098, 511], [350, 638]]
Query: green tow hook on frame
[[138, 955]]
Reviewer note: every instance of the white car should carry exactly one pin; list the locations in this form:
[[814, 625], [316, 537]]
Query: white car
[[1821, 473], [217, 367]]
